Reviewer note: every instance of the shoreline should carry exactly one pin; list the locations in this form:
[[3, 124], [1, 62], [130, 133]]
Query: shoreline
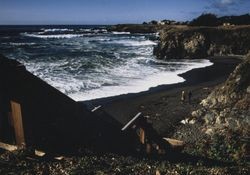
[[145, 83], [235, 59], [155, 101]]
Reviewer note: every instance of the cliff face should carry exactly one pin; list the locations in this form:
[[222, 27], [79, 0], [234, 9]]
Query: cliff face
[[200, 42], [229, 104], [225, 117]]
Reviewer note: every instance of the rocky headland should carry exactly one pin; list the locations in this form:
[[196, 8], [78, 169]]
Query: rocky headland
[[182, 41], [200, 42]]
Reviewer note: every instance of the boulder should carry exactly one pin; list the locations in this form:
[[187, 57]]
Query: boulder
[[209, 118], [197, 113], [219, 120], [248, 89], [209, 131], [231, 123]]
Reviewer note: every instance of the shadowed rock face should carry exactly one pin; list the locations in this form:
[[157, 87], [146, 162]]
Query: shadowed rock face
[[200, 42], [223, 119]]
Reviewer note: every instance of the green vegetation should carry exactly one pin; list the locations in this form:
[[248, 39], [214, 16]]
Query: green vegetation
[[212, 20], [205, 20]]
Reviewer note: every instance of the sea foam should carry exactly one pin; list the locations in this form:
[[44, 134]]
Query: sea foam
[[59, 36], [133, 43], [121, 33], [57, 30], [139, 85]]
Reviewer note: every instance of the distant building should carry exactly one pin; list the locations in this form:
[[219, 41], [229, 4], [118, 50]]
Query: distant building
[[161, 23], [227, 24], [165, 22]]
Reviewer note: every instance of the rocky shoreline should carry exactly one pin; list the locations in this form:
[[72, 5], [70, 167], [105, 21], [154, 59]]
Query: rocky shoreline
[[181, 41], [200, 42]]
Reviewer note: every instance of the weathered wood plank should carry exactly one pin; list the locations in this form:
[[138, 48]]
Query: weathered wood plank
[[8, 147], [18, 123], [175, 143], [96, 108], [142, 135], [148, 148], [39, 153]]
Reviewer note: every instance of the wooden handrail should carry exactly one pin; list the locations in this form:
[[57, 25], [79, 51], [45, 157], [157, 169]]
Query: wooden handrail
[[131, 121]]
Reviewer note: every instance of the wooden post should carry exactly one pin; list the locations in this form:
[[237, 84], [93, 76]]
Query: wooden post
[[148, 148], [18, 123], [142, 135]]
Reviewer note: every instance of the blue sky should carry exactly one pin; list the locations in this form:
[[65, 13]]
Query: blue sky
[[112, 11]]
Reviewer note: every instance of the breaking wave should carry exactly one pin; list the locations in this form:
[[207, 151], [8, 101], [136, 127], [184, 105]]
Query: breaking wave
[[134, 42], [96, 63], [57, 30], [154, 79], [21, 44], [121, 33], [58, 36]]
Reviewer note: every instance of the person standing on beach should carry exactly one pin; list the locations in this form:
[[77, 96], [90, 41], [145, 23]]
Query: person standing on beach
[[183, 96], [189, 96]]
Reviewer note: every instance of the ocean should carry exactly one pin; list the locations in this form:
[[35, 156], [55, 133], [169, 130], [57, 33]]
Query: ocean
[[89, 62]]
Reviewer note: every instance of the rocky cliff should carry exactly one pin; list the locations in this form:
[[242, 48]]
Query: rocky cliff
[[200, 42], [229, 104], [225, 117]]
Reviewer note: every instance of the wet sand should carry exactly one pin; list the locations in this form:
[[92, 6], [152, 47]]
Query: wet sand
[[162, 104]]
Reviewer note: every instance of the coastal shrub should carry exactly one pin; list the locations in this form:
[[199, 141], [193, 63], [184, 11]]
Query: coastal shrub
[[227, 146], [153, 22], [210, 19], [205, 20], [236, 20]]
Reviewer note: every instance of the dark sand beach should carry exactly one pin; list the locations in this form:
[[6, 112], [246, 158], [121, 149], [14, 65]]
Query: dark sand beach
[[162, 104]]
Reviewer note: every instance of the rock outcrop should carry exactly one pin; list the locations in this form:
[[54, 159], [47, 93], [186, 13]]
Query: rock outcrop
[[225, 117], [229, 104], [200, 42]]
